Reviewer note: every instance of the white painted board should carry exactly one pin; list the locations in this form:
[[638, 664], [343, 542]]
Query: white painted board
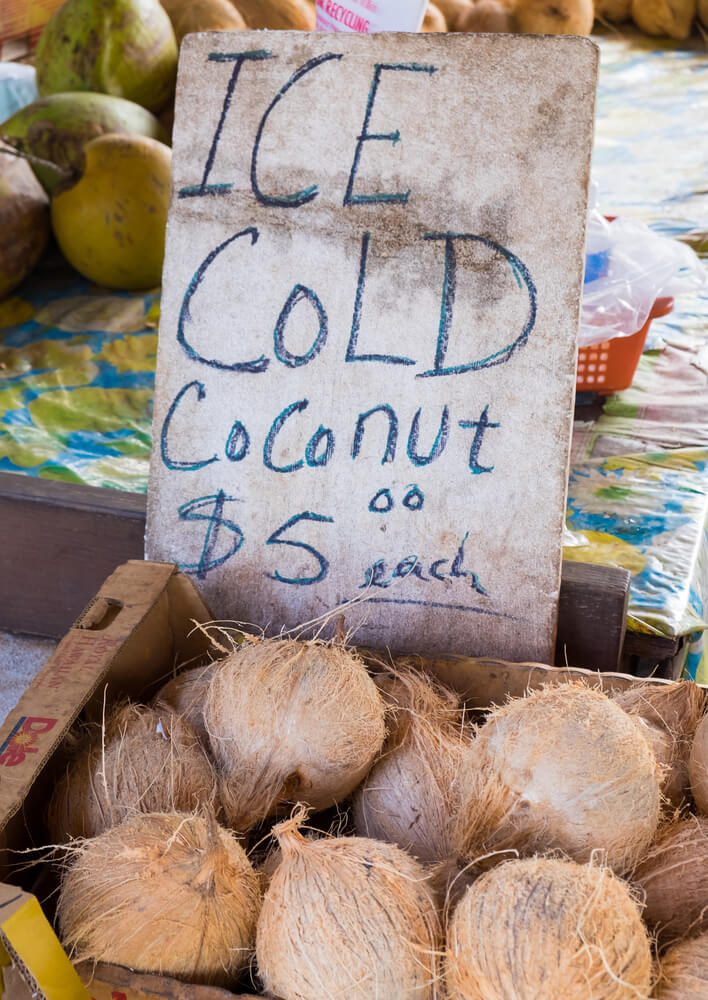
[[367, 347]]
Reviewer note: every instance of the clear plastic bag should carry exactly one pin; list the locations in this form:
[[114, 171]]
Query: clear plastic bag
[[627, 268], [18, 87]]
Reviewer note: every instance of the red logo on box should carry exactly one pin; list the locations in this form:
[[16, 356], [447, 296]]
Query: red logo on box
[[23, 739]]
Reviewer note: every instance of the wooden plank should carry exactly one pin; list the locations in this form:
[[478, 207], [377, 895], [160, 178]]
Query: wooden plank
[[658, 647], [592, 616], [62, 540]]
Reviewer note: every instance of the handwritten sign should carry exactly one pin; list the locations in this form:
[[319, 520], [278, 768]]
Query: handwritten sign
[[367, 346]]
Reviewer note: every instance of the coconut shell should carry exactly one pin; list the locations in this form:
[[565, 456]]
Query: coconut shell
[[24, 220], [434, 19], [665, 18], [411, 797], [544, 928], [702, 11], [347, 917], [698, 766], [562, 17], [168, 893], [56, 128], [488, 16], [283, 15], [291, 721], [673, 876], [563, 768], [671, 713], [185, 695], [684, 971], [126, 48], [148, 760]]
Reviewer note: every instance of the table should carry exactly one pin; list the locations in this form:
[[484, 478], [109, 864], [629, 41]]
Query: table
[[77, 369]]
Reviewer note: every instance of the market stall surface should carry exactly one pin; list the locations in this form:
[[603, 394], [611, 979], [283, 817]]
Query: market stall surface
[[77, 363], [21, 658]]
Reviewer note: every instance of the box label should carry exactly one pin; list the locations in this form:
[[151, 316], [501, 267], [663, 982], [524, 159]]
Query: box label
[[24, 739], [367, 346]]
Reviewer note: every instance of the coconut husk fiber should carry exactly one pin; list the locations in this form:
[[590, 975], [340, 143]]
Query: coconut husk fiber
[[684, 971], [546, 929], [166, 893], [562, 769], [670, 713], [185, 694], [143, 760], [411, 797], [291, 721], [673, 877], [347, 917], [698, 766]]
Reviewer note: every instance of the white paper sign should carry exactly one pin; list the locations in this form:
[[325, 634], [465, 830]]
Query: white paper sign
[[367, 346], [368, 16]]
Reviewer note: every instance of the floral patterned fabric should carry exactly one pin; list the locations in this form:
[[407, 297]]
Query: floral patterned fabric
[[638, 488]]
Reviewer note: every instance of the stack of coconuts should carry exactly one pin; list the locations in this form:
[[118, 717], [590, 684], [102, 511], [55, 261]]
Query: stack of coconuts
[[661, 18], [547, 851]]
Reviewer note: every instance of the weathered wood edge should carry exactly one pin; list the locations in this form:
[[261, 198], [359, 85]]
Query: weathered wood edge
[[61, 540]]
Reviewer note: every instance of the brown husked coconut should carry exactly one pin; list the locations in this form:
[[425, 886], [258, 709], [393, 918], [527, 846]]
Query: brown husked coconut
[[489, 16], [168, 893], [698, 766], [544, 929], [617, 11], [185, 694], [672, 18], [24, 220], [281, 15], [684, 971], [411, 797], [146, 760], [453, 11], [559, 17], [291, 721], [202, 15], [347, 917], [562, 769], [673, 876], [670, 713], [702, 11], [434, 19]]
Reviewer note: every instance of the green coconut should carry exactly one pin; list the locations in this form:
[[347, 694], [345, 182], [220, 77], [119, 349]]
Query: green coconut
[[56, 128], [24, 221], [122, 47]]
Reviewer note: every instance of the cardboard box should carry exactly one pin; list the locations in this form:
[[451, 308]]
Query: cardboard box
[[129, 639]]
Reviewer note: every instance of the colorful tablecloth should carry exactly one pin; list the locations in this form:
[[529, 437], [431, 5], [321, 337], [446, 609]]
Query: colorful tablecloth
[[77, 363], [638, 488]]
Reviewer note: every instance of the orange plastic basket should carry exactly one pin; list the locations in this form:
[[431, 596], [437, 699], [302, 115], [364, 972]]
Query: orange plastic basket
[[610, 366]]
